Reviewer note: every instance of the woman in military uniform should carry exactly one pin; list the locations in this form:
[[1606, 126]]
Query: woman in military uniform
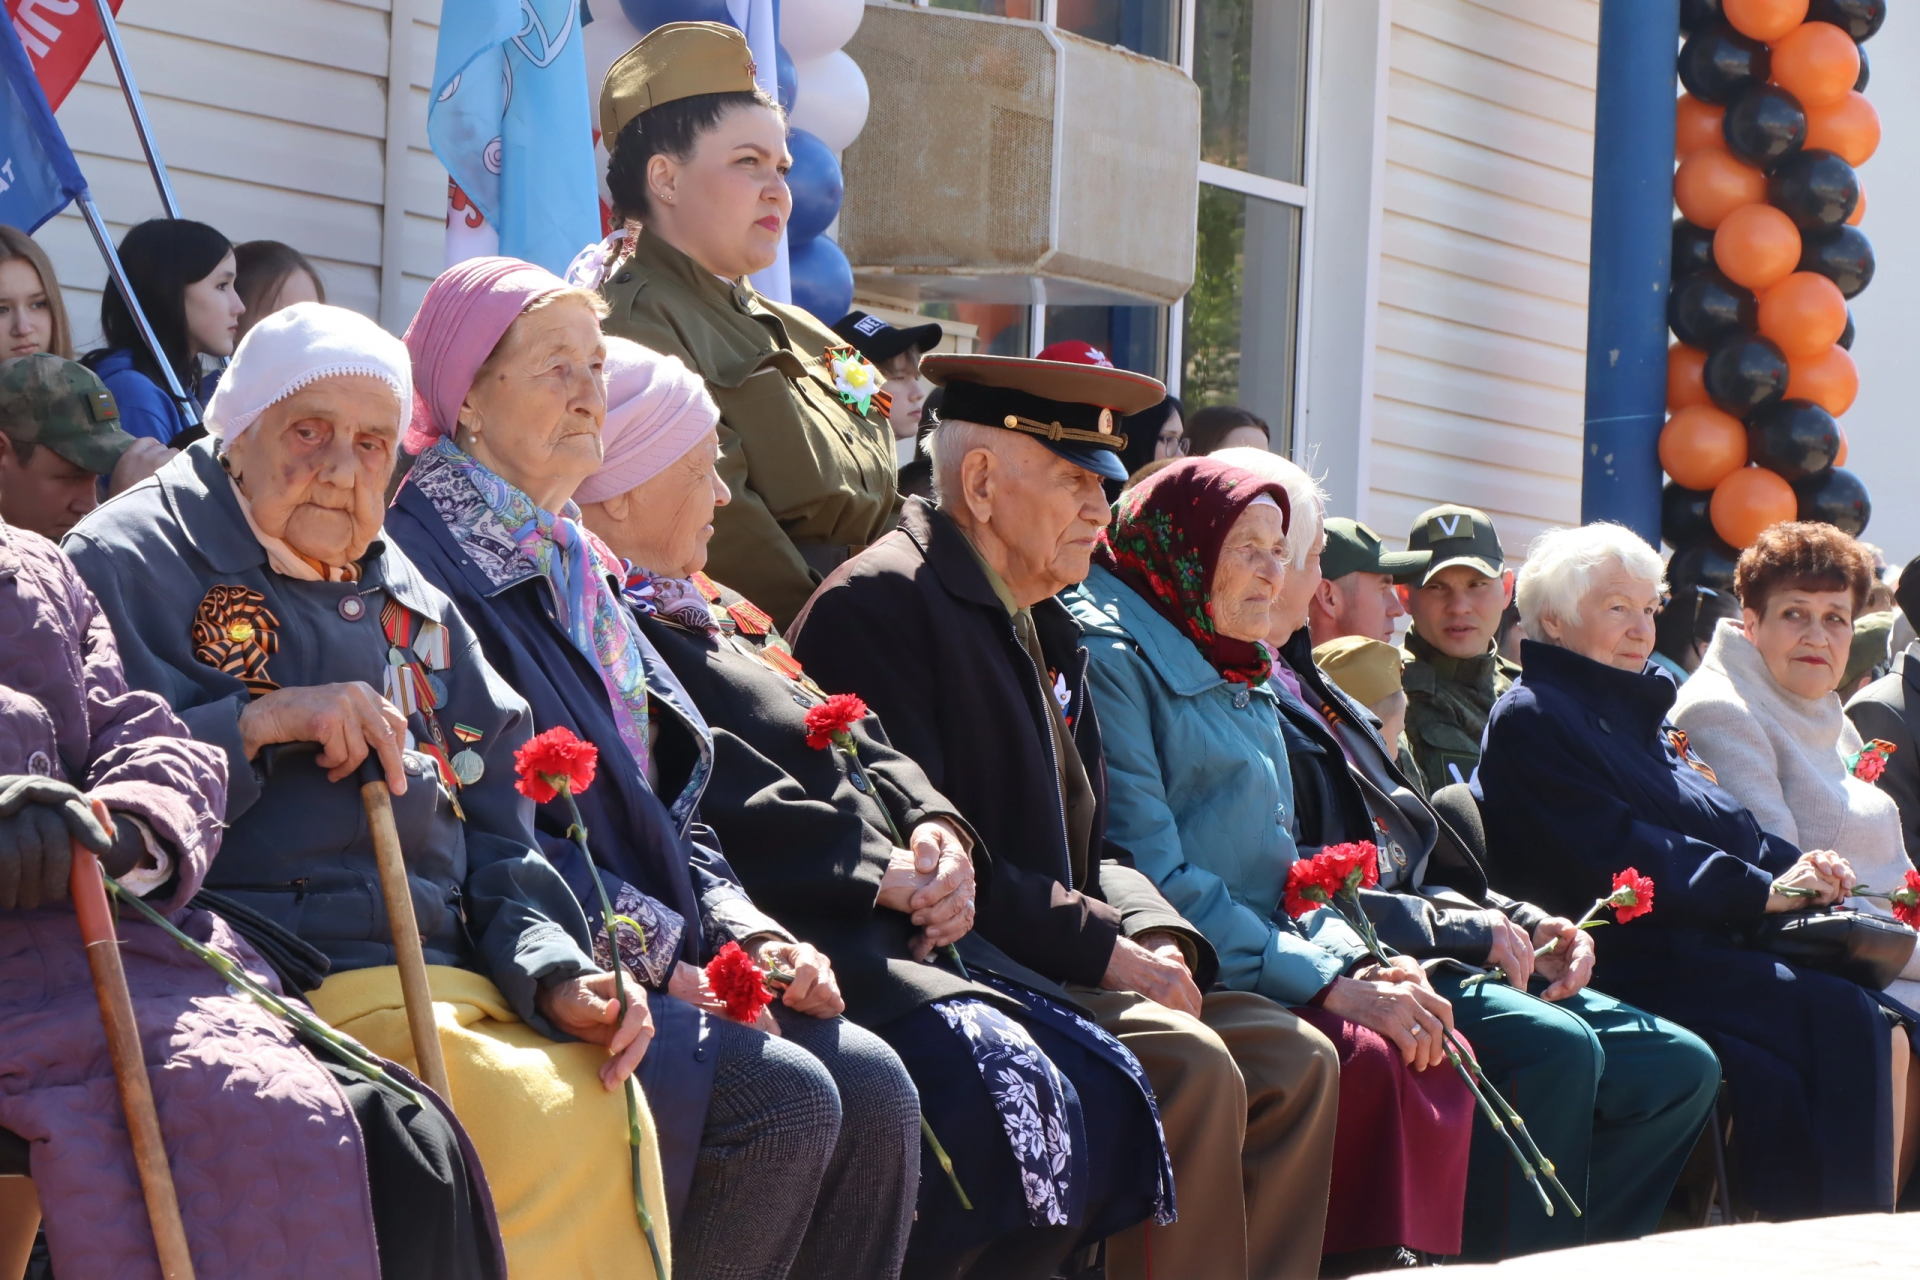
[[699, 156]]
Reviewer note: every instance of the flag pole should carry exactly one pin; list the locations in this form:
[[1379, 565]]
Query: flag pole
[[111, 31], [98, 225]]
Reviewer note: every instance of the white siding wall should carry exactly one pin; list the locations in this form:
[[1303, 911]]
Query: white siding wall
[[1481, 327], [272, 117]]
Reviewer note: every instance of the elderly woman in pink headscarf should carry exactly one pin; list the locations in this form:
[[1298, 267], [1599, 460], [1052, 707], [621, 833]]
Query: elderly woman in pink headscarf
[[794, 1120]]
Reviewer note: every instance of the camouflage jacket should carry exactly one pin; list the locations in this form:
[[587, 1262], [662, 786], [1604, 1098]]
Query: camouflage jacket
[[1448, 700]]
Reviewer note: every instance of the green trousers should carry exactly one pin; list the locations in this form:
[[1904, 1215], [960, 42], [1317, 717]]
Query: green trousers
[[1614, 1096]]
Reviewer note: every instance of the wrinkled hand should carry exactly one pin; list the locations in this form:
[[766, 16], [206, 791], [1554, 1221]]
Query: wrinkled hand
[[814, 990], [1568, 966], [1825, 872], [347, 720], [1160, 974], [689, 983], [586, 1008], [933, 885], [1409, 1014], [1512, 950], [142, 458], [40, 818]]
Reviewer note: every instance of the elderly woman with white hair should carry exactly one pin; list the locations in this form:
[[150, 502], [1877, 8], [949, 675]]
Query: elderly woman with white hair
[[1583, 777], [249, 586], [1614, 1096]]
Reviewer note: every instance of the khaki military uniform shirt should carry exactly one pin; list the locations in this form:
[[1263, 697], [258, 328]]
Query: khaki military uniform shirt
[[1448, 700], [812, 479]]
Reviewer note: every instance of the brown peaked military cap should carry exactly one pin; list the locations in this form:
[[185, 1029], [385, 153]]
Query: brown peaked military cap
[[1072, 408], [679, 60]]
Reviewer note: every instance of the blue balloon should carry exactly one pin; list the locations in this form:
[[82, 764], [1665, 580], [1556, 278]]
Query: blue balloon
[[822, 278], [789, 79], [645, 15], [816, 185]]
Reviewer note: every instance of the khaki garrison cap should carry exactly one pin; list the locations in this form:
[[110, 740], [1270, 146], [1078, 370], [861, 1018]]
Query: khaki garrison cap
[[679, 60]]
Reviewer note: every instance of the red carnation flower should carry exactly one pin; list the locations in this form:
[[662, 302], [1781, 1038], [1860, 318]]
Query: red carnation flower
[[1305, 890], [1906, 901], [553, 762], [832, 718], [739, 984], [1632, 895], [1313, 882], [1872, 760], [1344, 859]]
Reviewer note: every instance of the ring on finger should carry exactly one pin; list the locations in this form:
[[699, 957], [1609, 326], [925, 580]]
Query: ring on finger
[[1419, 1030]]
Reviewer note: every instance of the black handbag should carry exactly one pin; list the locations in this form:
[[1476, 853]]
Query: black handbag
[[1868, 949]]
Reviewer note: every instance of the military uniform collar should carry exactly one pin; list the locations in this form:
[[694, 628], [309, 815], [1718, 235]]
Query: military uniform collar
[[655, 257], [1475, 672]]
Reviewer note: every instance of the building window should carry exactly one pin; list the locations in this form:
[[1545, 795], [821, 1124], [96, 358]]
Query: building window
[[1151, 27], [1132, 337]]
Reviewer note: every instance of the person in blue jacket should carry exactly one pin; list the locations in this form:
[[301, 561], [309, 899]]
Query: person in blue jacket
[[1582, 777], [182, 275]]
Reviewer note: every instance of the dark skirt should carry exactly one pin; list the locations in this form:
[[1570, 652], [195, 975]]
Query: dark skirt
[[1399, 1148]]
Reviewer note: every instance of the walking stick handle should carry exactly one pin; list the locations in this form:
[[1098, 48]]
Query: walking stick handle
[[89, 892], [408, 953]]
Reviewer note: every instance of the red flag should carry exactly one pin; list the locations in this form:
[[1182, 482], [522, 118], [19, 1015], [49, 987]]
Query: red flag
[[61, 37]]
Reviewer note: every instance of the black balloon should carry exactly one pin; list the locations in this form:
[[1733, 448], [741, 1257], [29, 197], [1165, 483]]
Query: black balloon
[[1843, 255], [1745, 372], [1846, 334], [1858, 18], [1816, 188], [1696, 15], [1685, 515], [1836, 497], [1793, 439], [1866, 73], [1692, 248], [1706, 563], [1706, 307], [1764, 126], [1718, 64]]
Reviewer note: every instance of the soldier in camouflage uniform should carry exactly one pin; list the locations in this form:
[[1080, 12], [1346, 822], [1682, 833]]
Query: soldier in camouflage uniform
[[1452, 672], [59, 432]]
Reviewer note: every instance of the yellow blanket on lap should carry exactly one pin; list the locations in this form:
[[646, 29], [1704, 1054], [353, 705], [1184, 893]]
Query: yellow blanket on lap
[[553, 1140]]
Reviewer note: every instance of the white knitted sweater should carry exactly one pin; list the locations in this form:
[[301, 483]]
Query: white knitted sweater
[[1784, 757]]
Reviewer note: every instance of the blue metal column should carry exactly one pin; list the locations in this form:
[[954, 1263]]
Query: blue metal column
[[1631, 260]]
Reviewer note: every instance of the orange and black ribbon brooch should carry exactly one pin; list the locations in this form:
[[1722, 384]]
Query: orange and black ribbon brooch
[[1677, 738], [234, 632]]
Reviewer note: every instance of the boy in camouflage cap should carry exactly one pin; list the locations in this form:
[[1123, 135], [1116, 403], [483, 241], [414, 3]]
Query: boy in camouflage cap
[[59, 432]]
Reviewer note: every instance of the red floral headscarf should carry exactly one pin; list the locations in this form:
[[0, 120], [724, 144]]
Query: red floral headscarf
[[1165, 543]]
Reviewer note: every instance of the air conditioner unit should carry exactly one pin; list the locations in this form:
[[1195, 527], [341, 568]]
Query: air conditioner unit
[[1006, 161]]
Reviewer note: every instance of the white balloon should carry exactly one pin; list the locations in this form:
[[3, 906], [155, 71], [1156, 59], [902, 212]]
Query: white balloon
[[815, 28], [832, 102]]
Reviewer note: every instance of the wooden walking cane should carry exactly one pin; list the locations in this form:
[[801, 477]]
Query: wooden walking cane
[[408, 953], [89, 890]]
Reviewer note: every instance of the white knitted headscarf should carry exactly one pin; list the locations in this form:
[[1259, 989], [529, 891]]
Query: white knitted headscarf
[[297, 347]]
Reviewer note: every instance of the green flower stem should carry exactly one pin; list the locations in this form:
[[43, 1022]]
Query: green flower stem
[[355, 1056], [844, 740], [611, 923], [1519, 1125], [946, 1161]]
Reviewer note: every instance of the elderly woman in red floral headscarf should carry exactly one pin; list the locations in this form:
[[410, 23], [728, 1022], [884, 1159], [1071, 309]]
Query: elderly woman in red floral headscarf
[[1175, 610]]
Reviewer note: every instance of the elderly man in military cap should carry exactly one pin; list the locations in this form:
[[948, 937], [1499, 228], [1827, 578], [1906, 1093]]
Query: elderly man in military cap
[[1453, 671], [1356, 595], [949, 629], [59, 433], [698, 155]]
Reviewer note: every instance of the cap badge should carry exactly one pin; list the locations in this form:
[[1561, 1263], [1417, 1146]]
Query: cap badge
[[101, 408], [1445, 526], [1106, 422], [869, 325]]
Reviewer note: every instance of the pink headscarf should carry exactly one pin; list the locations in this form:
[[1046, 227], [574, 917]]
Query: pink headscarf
[[466, 312], [657, 409]]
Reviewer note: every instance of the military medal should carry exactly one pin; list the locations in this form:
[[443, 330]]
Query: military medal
[[469, 767], [416, 644]]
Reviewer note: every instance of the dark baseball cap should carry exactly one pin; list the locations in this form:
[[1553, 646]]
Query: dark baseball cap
[[1071, 409], [1456, 535], [879, 341], [1354, 548], [63, 405]]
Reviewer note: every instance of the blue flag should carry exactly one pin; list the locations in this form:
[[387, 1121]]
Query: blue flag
[[511, 120], [38, 174]]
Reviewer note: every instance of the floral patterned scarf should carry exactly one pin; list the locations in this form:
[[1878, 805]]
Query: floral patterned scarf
[[1165, 543], [579, 566]]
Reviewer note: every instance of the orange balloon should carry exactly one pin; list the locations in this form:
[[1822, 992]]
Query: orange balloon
[[1748, 502], [1764, 19], [1840, 458], [1685, 386], [1757, 246], [1817, 63], [1710, 184], [1700, 446], [1850, 128], [1829, 379], [1698, 124], [1804, 314], [1859, 206]]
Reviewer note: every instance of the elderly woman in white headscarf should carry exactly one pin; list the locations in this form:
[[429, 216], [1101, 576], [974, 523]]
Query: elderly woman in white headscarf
[[249, 586]]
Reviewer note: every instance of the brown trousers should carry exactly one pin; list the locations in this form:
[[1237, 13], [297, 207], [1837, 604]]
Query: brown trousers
[[1248, 1101]]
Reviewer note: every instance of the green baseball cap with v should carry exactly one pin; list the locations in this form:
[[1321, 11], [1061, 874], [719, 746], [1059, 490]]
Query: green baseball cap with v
[[63, 405], [1456, 535]]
